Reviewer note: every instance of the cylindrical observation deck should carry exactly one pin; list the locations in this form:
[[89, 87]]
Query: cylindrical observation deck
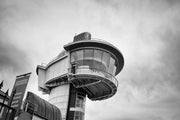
[[94, 64], [89, 64]]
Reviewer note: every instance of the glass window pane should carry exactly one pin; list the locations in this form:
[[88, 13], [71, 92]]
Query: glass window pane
[[106, 60], [73, 56], [97, 55], [80, 101], [79, 115], [79, 57], [114, 69], [88, 54], [97, 63], [111, 66], [88, 57]]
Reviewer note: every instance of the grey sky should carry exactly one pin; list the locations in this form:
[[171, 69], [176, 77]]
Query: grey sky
[[146, 32]]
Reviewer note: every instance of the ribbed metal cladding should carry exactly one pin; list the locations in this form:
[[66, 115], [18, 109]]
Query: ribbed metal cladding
[[82, 36], [43, 108]]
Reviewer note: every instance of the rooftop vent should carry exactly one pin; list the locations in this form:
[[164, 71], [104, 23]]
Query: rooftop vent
[[82, 36]]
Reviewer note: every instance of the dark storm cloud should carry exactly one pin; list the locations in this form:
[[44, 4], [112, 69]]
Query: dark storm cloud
[[13, 61], [11, 57]]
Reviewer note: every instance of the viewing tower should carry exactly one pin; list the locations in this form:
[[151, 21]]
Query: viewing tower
[[86, 67]]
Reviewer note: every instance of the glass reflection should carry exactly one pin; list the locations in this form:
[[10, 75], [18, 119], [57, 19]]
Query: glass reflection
[[111, 66], [79, 115], [106, 60], [88, 57], [95, 59]]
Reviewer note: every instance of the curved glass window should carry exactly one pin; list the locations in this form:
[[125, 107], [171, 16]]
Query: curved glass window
[[97, 63], [111, 66], [88, 57], [98, 55], [96, 59], [73, 57], [106, 60], [78, 57]]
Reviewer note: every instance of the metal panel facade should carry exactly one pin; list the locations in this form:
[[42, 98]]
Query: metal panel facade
[[57, 69]]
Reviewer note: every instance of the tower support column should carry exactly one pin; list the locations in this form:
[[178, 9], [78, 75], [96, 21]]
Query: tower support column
[[76, 104]]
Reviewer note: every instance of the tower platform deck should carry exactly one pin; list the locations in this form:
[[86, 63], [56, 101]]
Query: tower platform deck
[[98, 84]]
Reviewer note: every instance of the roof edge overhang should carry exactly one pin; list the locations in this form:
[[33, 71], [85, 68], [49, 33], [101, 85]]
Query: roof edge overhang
[[100, 44]]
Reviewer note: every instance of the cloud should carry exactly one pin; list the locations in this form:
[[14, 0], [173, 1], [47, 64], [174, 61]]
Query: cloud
[[146, 31], [170, 56], [13, 59], [139, 117]]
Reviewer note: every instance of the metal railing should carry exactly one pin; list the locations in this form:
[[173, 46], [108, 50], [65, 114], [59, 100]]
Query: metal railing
[[95, 72]]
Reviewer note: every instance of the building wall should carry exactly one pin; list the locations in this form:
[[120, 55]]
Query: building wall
[[57, 69], [59, 97], [41, 78]]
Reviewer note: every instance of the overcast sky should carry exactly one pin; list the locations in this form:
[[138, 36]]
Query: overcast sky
[[147, 32]]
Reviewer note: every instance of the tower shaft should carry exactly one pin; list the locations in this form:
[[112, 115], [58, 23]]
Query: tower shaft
[[70, 101]]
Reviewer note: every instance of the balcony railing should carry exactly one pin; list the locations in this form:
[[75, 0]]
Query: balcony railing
[[92, 71]]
